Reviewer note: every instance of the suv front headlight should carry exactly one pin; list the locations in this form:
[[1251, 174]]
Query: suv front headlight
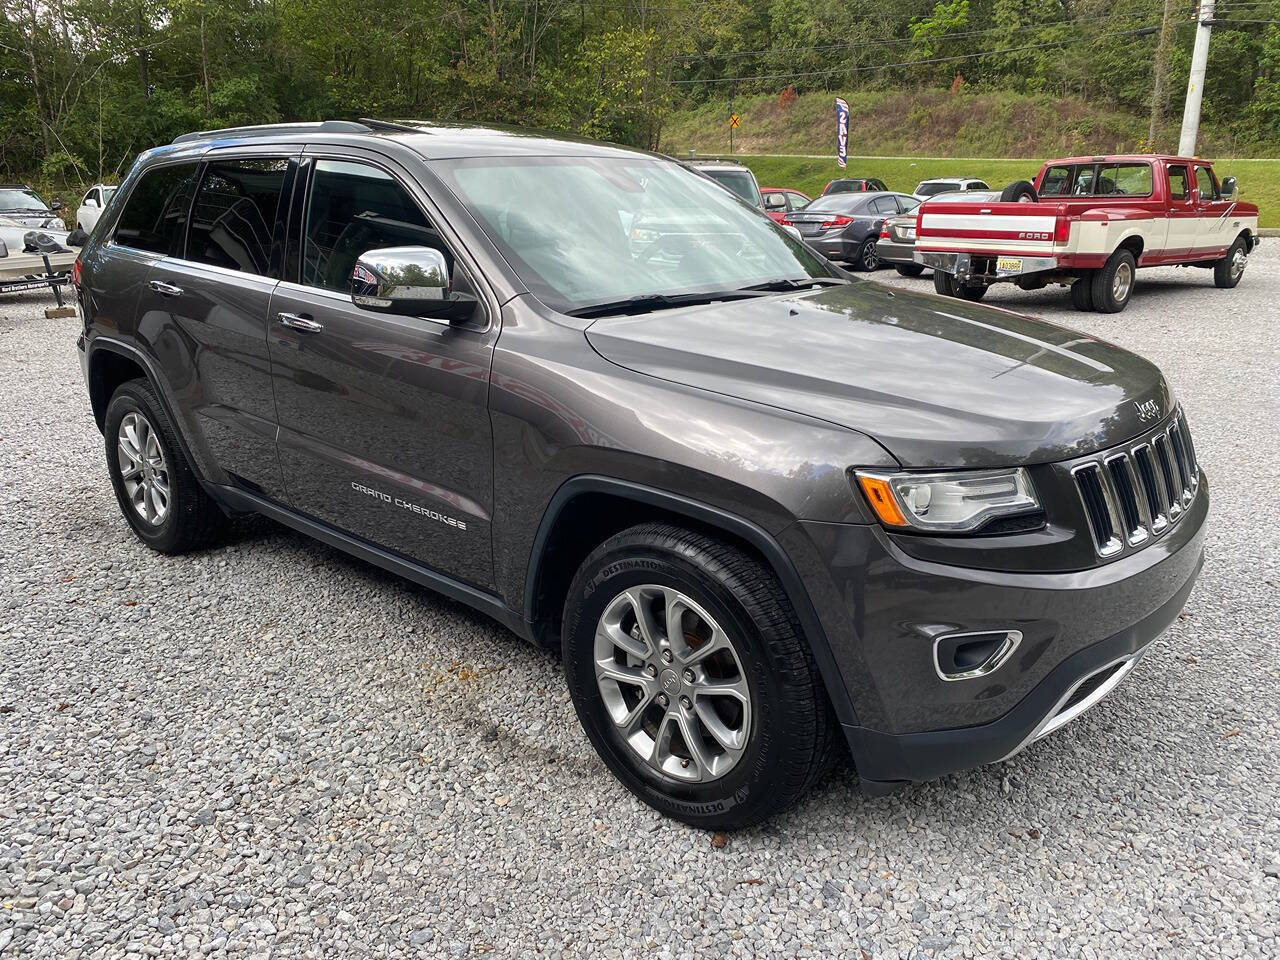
[[953, 502]]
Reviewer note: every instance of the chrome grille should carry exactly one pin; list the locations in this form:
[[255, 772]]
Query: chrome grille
[[1134, 495]]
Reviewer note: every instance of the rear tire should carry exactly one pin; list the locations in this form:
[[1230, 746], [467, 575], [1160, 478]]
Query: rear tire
[[865, 258], [737, 630], [1113, 284], [1228, 271], [943, 283], [158, 493], [1082, 293], [910, 269], [973, 292]]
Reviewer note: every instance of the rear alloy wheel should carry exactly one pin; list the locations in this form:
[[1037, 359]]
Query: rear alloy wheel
[[1228, 271], [866, 258], [688, 671], [1113, 284], [910, 269]]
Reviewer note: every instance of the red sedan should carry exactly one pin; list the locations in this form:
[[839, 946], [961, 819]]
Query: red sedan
[[779, 201]]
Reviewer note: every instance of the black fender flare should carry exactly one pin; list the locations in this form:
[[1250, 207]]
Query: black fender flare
[[100, 344], [715, 517]]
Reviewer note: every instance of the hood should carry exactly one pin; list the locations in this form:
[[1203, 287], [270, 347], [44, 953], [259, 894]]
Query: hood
[[28, 219], [938, 382]]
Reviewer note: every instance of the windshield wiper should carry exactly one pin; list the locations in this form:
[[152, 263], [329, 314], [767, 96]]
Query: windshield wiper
[[646, 302], [786, 283]]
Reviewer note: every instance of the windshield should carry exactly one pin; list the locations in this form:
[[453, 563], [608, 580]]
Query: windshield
[[844, 203], [19, 198], [740, 182], [843, 186], [928, 189], [587, 230]]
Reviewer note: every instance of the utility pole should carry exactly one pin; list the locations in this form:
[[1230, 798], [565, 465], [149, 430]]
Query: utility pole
[[1195, 82]]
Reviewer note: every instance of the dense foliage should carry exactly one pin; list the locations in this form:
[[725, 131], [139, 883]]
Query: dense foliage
[[88, 83]]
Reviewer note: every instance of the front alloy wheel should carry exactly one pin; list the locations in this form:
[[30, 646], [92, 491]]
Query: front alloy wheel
[[672, 683]]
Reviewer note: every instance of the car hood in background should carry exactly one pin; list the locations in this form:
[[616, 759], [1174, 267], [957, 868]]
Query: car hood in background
[[938, 382]]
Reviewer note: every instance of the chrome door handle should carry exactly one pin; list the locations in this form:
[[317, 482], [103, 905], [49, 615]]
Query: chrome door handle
[[165, 289], [299, 322]]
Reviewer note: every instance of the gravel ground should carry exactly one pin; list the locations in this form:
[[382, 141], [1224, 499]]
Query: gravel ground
[[269, 749]]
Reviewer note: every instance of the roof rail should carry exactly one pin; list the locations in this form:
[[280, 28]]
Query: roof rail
[[324, 126], [392, 125]]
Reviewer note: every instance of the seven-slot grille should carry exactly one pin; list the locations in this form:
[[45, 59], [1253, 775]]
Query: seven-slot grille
[[1134, 495]]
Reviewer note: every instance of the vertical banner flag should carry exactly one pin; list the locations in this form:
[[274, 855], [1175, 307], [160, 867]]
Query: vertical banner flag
[[842, 131]]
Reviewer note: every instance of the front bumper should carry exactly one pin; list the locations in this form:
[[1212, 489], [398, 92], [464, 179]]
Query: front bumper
[[963, 268], [1082, 633]]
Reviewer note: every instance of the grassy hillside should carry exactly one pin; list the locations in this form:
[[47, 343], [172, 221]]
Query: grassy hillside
[[929, 123]]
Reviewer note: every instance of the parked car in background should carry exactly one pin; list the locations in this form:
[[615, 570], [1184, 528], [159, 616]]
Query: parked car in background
[[897, 241], [854, 185], [1090, 222], [733, 176], [20, 206], [845, 226], [27, 221], [779, 201], [931, 188], [91, 206]]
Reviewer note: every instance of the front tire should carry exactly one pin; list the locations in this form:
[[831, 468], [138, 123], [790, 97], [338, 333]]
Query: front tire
[[1228, 271], [910, 269], [1113, 284], [158, 494], [720, 722]]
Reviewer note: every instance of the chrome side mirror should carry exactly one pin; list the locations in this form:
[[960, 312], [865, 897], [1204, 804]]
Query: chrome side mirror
[[1229, 187], [409, 281]]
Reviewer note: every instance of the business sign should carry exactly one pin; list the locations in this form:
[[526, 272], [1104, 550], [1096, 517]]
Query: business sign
[[842, 131]]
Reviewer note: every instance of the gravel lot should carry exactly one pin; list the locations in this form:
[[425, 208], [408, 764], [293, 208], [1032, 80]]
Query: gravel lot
[[272, 750]]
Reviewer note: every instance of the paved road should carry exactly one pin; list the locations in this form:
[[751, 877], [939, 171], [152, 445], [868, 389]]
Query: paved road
[[269, 749]]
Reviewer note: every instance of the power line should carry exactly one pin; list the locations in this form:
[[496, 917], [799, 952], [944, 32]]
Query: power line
[[1141, 31]]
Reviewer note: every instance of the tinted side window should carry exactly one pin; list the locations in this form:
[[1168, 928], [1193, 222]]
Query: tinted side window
[[1179, 189], [1204, 183], [155, 214], [978, 185], [1056, 181], [235, 212], [1125, 179], [884, 205], [353, 208]]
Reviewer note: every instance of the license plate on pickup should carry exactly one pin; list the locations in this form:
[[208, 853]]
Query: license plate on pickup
[[1008, 265]]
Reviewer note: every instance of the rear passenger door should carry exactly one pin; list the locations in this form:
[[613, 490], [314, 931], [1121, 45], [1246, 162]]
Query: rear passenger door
[[211, 298], [384, 420], [1182, 212]]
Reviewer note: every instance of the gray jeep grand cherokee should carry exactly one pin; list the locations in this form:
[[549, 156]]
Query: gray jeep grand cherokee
[[756, 503]]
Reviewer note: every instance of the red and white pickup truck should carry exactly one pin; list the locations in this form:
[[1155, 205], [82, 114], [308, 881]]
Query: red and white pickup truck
[[1090, 222]]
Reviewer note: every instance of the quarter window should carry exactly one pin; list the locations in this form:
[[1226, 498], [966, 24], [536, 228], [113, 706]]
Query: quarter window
[[155, 215], [235, 214], [1178, 184], [354, 208], [1205, 184]]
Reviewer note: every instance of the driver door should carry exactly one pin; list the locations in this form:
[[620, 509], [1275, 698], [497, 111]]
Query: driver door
[[384, 420]]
